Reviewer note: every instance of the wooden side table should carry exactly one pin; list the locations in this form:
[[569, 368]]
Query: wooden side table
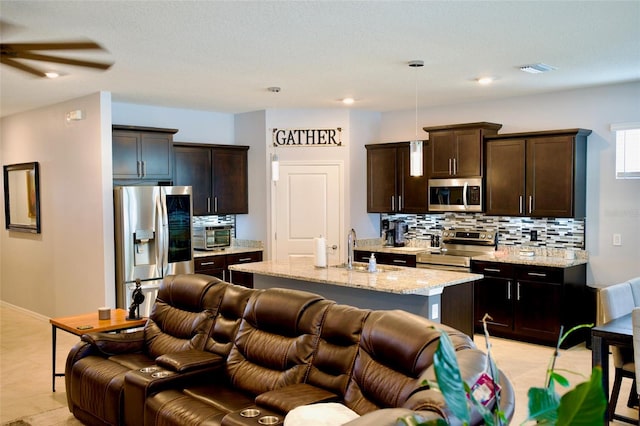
[[88, 323]]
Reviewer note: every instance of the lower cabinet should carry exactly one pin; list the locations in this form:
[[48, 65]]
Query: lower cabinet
[[386, 258], [533, 303], [218, 266]]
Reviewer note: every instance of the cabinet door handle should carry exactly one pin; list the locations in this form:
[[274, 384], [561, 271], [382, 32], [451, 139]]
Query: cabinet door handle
[[518, 292], [144, 168], [455, 167], [244, 259], [537, 274], [450, 166], [138, 168], [530, 204], [215, 204], [508, 290], [520, 205], [491, 270], [207, 263], [399, 261], [393, 203], [399, 202], [208, 204]]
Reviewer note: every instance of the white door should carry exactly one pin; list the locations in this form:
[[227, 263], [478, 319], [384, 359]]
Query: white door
[[308, 204]]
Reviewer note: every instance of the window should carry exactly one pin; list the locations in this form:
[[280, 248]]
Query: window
[[627, 150]]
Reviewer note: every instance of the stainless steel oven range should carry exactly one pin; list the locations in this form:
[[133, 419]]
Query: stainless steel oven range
[[457, 250]]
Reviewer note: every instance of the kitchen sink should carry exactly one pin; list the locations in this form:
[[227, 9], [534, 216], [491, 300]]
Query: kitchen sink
[[363, 267]]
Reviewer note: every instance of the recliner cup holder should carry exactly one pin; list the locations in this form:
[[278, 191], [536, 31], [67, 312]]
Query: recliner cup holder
[[250, 412], [269, 420], [160, 374], [149, 369]]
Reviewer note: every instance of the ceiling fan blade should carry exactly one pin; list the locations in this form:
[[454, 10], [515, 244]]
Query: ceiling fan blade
[[59, 60], [62, 45], [21, 66]]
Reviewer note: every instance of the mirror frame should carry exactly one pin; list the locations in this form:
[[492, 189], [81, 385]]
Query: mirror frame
[[22, 227]]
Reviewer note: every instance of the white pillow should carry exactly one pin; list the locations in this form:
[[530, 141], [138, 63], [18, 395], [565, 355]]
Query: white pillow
[[322, 414]]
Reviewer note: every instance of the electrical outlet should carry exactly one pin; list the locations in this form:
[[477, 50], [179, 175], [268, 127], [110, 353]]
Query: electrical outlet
[[617, 239], [534, 235], [435, 311]]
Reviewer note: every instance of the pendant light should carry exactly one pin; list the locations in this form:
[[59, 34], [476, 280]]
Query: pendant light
[[275, 161], [415, 146]]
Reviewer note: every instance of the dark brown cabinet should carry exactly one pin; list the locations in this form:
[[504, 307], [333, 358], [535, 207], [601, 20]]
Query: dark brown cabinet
[[218, 266], [390, 186], [386, 258], [531, 303], [456, 150], [217, 175], [541, 174], [142, 153]]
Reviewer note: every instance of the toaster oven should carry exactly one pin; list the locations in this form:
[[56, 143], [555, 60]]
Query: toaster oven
[[211, 237]]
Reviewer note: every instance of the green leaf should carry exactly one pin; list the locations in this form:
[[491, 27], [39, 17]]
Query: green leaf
[[585, 404], [561, 380], [449, 379], [543, 405]]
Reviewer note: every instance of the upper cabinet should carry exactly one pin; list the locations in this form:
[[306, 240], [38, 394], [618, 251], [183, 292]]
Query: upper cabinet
[[538, 174], [390, 187], [142, 153], [456, 150], [218, 175]]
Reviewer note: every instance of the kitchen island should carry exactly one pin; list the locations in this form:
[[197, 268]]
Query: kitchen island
[[441, 296]]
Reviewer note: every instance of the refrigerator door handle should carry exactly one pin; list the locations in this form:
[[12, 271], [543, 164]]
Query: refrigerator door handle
[[163, 243]]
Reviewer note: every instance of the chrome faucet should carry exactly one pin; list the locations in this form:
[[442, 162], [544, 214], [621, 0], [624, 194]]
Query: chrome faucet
[[351, 243]]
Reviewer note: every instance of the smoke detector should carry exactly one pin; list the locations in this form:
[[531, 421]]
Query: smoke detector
[[537, 68]]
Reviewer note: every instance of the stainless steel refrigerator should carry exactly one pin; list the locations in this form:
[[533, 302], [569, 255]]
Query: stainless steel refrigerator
[[152, 239]]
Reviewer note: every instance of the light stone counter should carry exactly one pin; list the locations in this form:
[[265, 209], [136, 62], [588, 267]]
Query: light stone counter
[[390, 279], [555, 262], [227, 250], [441, 296]]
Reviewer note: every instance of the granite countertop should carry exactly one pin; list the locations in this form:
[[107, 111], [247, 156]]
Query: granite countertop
[[511, 254], [515, 258], [390, 279]]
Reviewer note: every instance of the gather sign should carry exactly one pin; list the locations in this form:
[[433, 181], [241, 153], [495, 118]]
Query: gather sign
[[307, 137]]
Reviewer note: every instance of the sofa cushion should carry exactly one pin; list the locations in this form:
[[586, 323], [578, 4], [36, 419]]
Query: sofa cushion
[[276, 340], [226, 323], [395, 348]]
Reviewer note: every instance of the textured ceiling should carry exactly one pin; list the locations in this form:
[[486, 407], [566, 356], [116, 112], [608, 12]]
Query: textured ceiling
[[223, 55]]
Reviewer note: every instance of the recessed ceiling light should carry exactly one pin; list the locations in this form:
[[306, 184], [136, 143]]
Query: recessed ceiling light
[[52, 74], [348, 101], [537, 68], [485, 80]]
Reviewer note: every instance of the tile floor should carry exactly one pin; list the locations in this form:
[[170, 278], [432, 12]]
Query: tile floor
[[25, 366]]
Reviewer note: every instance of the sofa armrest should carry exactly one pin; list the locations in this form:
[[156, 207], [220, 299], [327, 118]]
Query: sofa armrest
[[109, 344], [184, 361], [289, 397]]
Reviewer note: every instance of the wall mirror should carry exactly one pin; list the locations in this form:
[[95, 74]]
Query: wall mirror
[[22, 197]]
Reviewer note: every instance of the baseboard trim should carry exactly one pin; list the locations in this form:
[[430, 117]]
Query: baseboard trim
[[20, 309]]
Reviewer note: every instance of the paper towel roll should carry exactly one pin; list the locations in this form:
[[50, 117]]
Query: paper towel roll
[[320, 252]]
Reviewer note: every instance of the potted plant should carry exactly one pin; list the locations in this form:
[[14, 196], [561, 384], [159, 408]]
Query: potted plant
[[583, 405]]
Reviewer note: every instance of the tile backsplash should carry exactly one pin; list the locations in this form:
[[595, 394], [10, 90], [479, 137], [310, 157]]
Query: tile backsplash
[[551, 232]]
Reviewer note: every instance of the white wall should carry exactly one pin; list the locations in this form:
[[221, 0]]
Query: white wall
[[193, 125], [67, 268], [613, 206], [250, 130]]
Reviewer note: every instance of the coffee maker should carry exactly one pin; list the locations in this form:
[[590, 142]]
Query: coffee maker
[[400, 228]]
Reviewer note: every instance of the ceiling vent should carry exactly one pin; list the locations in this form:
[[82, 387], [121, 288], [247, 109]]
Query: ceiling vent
[[537, 68]]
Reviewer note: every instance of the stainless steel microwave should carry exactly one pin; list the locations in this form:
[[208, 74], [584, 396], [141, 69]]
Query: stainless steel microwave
[[211, 237], [455, 195]]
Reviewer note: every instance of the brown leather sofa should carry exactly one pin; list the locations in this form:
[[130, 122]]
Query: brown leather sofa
[[236, 351]]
